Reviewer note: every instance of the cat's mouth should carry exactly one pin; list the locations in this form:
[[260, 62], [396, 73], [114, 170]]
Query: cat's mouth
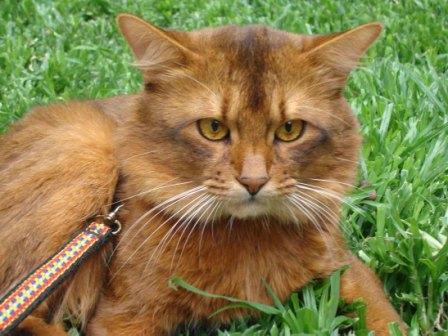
[[251, 199], [249, 207]]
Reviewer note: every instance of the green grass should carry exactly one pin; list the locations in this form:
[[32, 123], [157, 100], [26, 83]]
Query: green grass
[[61, 50], [313, 312]]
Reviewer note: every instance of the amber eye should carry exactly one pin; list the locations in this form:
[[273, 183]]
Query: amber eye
[[290, 130], [212, 129]]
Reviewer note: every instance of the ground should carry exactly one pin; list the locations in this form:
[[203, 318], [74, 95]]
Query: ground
[[396, 221]]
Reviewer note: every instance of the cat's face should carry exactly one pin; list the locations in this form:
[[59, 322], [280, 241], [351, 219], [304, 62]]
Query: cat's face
[[244, 122]]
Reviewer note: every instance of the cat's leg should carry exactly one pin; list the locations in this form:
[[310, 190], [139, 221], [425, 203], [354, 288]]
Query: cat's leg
[[39, 323], [116, 317], [359, 282], [37, 326], [124, 324]]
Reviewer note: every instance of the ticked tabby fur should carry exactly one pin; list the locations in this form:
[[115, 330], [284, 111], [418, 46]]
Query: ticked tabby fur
[[217, 188]]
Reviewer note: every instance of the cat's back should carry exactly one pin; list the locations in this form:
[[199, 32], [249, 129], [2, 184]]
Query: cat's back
[[52, 131], [71, 124], [57, 168]]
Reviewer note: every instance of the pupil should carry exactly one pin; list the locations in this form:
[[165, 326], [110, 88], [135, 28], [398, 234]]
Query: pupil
[[215, 125], [288, 126]]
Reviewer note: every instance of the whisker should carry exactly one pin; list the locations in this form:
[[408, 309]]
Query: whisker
[[142, 154], [312, 219], [230, 224], [334, 181], [322, 206], [325, 209], [327, 192], [215, 216], [316, 210], [296, 220], [162, 186], [175, 199], [344, 159], [192, 211], [311, 208], [302, 206], [197, 201], [206, 222], [329, 212], [207, 204], [149, 237]]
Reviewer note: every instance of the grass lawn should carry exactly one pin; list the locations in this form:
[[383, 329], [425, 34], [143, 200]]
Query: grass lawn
[[66, 49]]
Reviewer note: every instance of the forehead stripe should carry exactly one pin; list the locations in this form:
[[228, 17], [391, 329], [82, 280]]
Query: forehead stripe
[[251, 56]]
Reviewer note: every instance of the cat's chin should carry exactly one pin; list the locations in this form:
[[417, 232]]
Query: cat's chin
[[247, 209]]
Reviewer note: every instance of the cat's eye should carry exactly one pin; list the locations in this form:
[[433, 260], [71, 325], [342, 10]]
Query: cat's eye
[[212, 129], [290, 130]]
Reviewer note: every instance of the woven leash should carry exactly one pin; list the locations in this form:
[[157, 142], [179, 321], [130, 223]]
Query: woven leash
[[19, 302]]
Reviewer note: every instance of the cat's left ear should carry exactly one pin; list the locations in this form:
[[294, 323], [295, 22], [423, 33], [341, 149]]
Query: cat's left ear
[[342, 51]]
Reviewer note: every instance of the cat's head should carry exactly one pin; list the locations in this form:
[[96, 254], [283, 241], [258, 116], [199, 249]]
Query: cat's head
[[243, 122]]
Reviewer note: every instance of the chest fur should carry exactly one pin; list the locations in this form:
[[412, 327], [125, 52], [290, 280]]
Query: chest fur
[[232, 262]]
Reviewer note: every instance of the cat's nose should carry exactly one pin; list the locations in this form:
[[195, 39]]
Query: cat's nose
[[253, 184], [253, 175]]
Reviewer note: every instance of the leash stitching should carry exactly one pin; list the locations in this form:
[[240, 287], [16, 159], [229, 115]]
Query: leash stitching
[[21, 300]]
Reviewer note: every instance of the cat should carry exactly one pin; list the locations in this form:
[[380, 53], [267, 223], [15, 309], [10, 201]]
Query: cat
[[231, 164]]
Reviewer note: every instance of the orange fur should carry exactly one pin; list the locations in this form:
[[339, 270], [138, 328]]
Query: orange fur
[[57, 168], [61, 164]]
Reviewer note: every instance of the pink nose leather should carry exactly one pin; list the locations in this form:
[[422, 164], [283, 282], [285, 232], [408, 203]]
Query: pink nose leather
[[253, 173], [253, 184]]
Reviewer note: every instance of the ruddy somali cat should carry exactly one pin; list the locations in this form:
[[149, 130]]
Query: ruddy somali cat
[[231, 164]]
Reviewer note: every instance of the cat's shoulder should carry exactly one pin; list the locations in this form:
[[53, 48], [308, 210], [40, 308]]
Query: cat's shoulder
[[58, 166], [80, 128], [74, 119], [113, 110], [117, 108]]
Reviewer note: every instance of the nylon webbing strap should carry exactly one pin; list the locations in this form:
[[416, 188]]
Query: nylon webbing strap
[[16, 305]]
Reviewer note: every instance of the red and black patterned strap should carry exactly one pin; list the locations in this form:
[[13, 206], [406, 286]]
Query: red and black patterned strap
[[18, 303]]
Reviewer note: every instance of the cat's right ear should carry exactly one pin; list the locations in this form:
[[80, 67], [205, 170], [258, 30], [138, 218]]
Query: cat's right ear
[[154, 47]]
